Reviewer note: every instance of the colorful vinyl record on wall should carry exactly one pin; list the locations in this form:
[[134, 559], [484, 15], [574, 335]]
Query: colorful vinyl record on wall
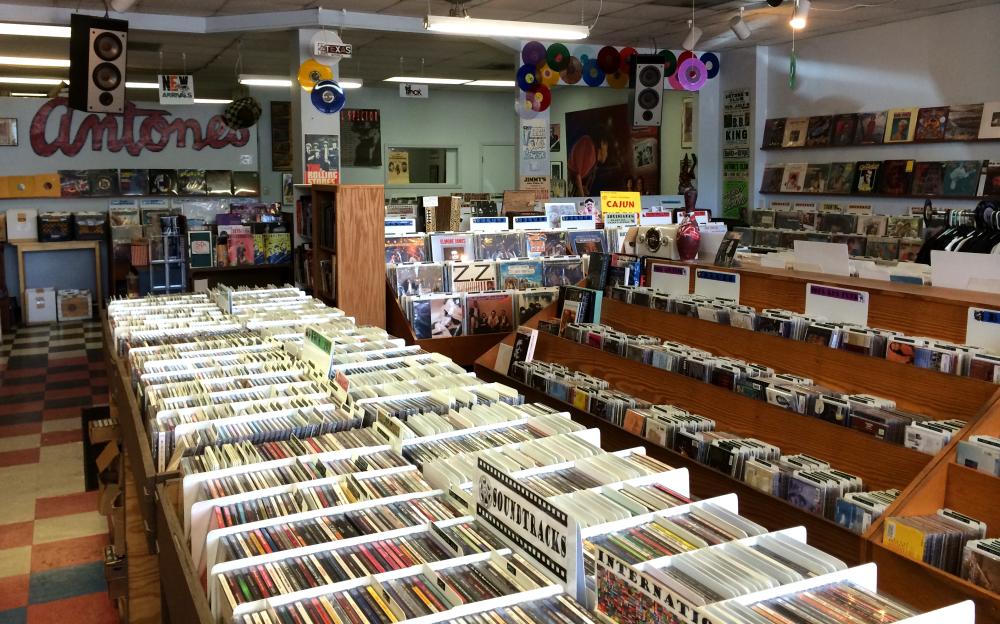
[[608, 59], [592, 74], [527, 77], [692, 74], [625, 62], [711, 61], [540, 98], [617, 79], [669, 62], [533, 53], [683, 56], [557, 57], [311, 72], [573, 72], [547, 75], [328, 97]]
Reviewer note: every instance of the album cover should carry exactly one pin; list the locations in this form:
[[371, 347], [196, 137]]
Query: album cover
[[774, 133], [928, 178], [490, 312], [123, 213], [931, 123], [900, 125], [989, 127], [555, 211], [818, 134], [871, 128], [991, 187], [899, 226], [836, 223], [909, 249], [762, 218], [419, 278], [857, 244], [103, 182], [420, 318], [472, 276], [532, 301], [816, 176], [785, 220], [162, 182], [520, 274], [556, 244], [884, 248], [866, 176], [840, 178], [805, 494], [133, 181], [771, 181], [793, 178], [241, 249], [586, 242], [562, 271], [447, 315], [191, 182], [872, 225], [844, 129], [74, 183], [963, 122], [895, 177], [219, 182], [246, 184], [499, 245], [405, 248], [452, 246], [796, 131], [961, 177]]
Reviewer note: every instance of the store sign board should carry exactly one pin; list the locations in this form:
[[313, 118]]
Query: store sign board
[[414, 90], [838, 305], [176, 88], [323, 48]]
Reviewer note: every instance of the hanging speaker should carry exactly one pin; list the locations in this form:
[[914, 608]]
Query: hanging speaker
[[97, 51], [647, 101]]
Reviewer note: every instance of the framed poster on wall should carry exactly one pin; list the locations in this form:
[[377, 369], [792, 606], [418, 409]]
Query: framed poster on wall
[[687, 123], [281, 136], [361, 133], [8, 131]]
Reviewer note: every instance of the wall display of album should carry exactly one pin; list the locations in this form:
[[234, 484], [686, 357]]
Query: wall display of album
[[158, 182], [959, 122]]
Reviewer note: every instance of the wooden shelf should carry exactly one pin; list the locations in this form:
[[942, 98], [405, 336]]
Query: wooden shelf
[[913, 309], [242, 267], [915, 389], [868, 145], [886, 195]]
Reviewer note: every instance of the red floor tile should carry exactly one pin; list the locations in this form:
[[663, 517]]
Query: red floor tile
[[67, 393], [57, 413], [13, 390], [62, 437], [68, 552], [77, 375], [100, 399], [7, 431], [14, 592], [16, 458], [16, 535], [67, 362], [65, 505], [20, 373], [87, 609], [21, 408]]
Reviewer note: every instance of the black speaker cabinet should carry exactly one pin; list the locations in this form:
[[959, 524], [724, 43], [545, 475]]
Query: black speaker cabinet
[[647, 99], [97, 50]]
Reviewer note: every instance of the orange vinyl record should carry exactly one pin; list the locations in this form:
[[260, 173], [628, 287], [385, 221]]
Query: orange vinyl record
[[311, 72], [547, 76], [47, 185], [573, 72], [618, 79], [540, 98]]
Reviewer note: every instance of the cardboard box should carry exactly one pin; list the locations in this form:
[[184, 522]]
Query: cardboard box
[[40, 304], [103, 431], [73, 305], [22, 224]]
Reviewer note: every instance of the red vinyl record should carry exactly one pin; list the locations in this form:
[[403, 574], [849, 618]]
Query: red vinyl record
[[540, 98], [674, 83], [625, 65], [608, 59], [685, 55]]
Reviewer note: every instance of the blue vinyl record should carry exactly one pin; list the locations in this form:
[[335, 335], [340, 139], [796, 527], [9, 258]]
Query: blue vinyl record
[[328, 97], [527, 78], [711, 61], [592, 74]]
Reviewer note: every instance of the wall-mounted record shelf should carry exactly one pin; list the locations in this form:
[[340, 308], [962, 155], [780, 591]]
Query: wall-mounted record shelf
[[913, 309], [886, 196], [879, 144], [244, 275]]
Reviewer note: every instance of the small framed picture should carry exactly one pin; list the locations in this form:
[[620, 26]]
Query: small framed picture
[[557, 170], [8, 132]]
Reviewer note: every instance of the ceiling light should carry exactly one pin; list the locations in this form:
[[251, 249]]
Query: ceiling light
[[425, 80], [210, 101], [694, 34], [504, 28], [351, 83], [739, 27], [28, 61], [142, 85], [27, 95], [490, 83], [264, 81], [799, 14], [30, 81], [32, 30], [120, 6]]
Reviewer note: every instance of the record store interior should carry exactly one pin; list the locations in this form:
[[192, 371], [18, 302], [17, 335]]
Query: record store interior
[[499, 311]]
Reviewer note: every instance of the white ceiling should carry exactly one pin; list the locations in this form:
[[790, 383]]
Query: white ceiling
[[640, 23]]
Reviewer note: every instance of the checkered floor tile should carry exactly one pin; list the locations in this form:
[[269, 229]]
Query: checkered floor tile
[[51, 536]]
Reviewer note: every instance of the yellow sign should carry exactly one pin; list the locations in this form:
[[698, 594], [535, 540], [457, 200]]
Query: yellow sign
[[619, 201]]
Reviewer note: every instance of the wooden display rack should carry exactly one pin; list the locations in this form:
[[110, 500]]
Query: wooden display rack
[[464, 350]]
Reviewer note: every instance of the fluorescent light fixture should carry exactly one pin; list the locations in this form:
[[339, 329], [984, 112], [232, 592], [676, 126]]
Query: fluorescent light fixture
[[31, 81], [425, 80], [490, 83], [28, 94], [210, 101], [504, 28], [142, 85], [27, 61], [694, 34], [32, 30], [265, 81], [799, 14], [351, 83]]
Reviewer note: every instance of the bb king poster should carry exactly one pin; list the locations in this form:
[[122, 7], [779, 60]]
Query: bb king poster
[[605, 153], [322, 159]]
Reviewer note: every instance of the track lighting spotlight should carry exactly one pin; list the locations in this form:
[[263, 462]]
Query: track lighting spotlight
[[694, 34], [799, 14], [739, 27]]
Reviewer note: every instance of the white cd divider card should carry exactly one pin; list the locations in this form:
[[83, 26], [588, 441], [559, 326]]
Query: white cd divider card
[[672, 279], [721, 284], [837, 305]]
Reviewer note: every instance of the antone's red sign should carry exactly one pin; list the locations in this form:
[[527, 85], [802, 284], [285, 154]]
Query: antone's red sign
[[134, 130]]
